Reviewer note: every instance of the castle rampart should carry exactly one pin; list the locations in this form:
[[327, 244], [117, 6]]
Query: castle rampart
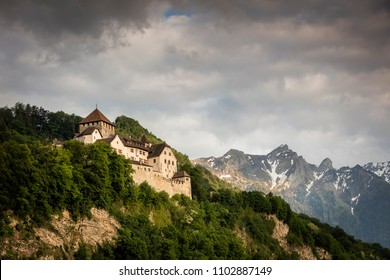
[[172, 186]]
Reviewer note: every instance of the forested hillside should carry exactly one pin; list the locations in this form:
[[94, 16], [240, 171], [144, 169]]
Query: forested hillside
[[39, 181], [25, 123], [126, 126]]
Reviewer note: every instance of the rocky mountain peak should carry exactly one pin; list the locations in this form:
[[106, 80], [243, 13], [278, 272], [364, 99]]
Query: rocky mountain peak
[[233, 152], [325, 165], [282, 148], [233, 155]]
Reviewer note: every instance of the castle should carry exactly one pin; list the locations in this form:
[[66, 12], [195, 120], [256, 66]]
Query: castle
[[155, 164]]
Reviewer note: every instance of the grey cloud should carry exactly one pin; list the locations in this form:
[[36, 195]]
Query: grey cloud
[[345, 34], [72, 28], [81, 17], [302, 10]]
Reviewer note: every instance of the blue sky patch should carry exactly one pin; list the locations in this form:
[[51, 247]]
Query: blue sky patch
[[175, 12]]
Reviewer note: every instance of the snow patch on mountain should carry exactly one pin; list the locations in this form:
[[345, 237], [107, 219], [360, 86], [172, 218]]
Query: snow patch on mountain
[[317, 176], [276, 178], [356, 198], [342, 179], [211, 162], [381, 169], [227, 156]]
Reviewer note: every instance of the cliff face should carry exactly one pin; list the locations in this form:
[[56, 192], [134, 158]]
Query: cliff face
[[280, 233], [60, 238]]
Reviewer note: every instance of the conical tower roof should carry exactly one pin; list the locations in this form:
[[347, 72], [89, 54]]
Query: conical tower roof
[[96, 116]]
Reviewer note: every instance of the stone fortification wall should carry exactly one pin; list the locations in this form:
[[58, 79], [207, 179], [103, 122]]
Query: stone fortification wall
[[159, 183]]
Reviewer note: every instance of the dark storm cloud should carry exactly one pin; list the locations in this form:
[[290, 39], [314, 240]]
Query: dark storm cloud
[[68, 29], [79, 17], [271, 10], [353, 35]]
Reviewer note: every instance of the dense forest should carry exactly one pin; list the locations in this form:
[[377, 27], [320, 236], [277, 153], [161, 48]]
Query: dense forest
[[38, 179], [25, 123]]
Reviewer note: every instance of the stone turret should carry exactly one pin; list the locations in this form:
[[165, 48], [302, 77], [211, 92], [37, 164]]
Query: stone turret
[[98, 120]]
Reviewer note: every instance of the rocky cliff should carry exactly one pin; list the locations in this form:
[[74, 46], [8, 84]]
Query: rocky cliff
[[60, 238]]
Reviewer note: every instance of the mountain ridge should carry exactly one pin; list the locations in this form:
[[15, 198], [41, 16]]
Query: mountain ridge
[[346, 196]]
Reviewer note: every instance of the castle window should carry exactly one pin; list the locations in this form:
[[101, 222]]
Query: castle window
[[165, 161], [154, 160], [165, 152]]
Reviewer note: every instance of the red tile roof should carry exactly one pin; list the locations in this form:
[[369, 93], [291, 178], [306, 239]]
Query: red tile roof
[[96, 116]]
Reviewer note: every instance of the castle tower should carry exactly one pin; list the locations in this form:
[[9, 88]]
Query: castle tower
[[98, 120]]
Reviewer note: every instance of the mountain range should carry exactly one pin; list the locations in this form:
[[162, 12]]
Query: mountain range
[[355, 198]]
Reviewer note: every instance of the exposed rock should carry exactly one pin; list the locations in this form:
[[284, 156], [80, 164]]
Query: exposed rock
[[243, 235], [62, 233], [325, 165], [305, 252]]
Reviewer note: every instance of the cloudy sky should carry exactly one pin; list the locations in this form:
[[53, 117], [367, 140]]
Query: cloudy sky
[[211, 75]]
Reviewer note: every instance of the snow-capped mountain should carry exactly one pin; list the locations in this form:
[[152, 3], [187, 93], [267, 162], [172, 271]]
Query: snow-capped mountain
[[382, 169], [357, 199]]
